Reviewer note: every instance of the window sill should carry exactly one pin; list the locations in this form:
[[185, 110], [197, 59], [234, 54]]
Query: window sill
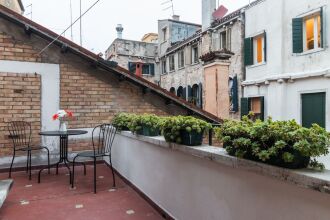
[[256, 65], [148, 75], [181, 68], [309, 52], [171, 71], [193, 64]]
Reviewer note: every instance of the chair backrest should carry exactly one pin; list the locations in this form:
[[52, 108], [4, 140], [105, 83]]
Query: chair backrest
[[20, 133], [102, 137]]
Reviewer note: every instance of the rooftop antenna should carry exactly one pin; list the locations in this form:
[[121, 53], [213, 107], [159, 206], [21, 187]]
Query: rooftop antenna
[[80, 26], [71, 19], [79, 18], [30, 13], [169, 5]]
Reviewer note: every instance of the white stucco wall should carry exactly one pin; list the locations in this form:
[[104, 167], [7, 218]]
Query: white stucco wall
[[308, 71], [192, 188]]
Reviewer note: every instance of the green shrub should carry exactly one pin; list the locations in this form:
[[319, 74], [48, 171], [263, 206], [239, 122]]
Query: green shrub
[[149, 121], [122, 120], [173, 126], [283, 143]]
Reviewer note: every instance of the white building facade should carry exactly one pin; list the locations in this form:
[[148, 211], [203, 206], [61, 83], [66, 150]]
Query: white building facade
[[287, 61]]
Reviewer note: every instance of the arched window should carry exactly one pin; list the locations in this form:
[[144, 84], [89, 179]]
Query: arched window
[[179, 92], [172, 90], [195, 94]]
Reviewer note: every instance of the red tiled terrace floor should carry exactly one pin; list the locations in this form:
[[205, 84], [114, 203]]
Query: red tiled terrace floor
[[54, 199]]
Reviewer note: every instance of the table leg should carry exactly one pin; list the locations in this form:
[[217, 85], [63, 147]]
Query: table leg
[[63, 157]]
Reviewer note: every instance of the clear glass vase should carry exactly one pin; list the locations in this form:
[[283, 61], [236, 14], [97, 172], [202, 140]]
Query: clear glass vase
[[63, 126]]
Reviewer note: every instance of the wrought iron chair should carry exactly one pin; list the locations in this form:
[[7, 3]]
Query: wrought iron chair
[[102, 138], [20, 133]]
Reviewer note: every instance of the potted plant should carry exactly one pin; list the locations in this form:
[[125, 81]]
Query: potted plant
[[121, 121], [147, 125], [280, 143], [185, 130]]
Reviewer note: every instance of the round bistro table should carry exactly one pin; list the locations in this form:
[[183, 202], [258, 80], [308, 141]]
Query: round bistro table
[[64, 137]]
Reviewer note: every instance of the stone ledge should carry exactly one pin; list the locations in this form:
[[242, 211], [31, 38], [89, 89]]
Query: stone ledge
[[306, 178]]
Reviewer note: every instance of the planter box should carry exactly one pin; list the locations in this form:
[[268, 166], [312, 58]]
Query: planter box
[[149, 131], [299, 161], [191, 138]]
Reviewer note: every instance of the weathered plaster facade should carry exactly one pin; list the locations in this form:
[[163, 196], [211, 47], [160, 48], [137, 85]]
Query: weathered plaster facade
[[125, 51], [15, 5]]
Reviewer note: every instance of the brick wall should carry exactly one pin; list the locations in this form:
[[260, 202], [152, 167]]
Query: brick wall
[[13, 49], [95, 99], [19, 100]]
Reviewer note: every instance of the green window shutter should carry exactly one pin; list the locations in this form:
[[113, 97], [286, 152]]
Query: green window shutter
[[152, 69], [297, 35], [184, 95], [248, 51], [245, 107], [200, 95], [262, 101], [265, 46], [322, 31]]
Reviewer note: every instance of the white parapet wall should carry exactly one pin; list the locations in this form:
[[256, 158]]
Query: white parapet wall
[[205, 183]]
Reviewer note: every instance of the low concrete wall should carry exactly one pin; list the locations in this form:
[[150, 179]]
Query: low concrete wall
[[189, 187]]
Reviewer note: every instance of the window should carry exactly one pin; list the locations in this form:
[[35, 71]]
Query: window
[[313, 109], [164, 34], [312, 32], [148, 69], [194, 50], [255, 49], [307, 33], [181, 59], [225, 40], [164, 69], [172, 63], [255, 105]]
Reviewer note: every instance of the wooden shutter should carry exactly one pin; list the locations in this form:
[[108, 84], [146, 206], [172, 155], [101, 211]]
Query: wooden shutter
[[265, 46], [152, 69], [189, 93], [188, 55], [297, 35], [184, 95], [200, 103], [245, 107], [234, 93], [132, 67], [262, 106], [248, 51], [322, 31]]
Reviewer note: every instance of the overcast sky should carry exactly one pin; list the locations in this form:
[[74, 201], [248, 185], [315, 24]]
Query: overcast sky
[[137, 17]]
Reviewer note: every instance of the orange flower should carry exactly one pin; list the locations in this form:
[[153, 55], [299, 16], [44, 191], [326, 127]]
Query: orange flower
[[55, 116]]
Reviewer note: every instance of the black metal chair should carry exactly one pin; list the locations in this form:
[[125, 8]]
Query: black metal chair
[[20, 132], [102, 138]]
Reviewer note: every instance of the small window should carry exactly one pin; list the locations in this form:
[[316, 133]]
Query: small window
[[195, 58], [255, 105], [312, 32], [225, 40], [172, 63], [258, 45], [164, 69], [164, 34], [181, 59], [148, 69]]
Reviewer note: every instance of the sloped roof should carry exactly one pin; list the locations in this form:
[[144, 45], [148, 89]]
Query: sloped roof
[[89, 56]]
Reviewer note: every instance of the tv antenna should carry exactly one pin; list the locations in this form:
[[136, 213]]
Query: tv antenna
[[71, 20], [79, 18], [30, 13], [169, 5]]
